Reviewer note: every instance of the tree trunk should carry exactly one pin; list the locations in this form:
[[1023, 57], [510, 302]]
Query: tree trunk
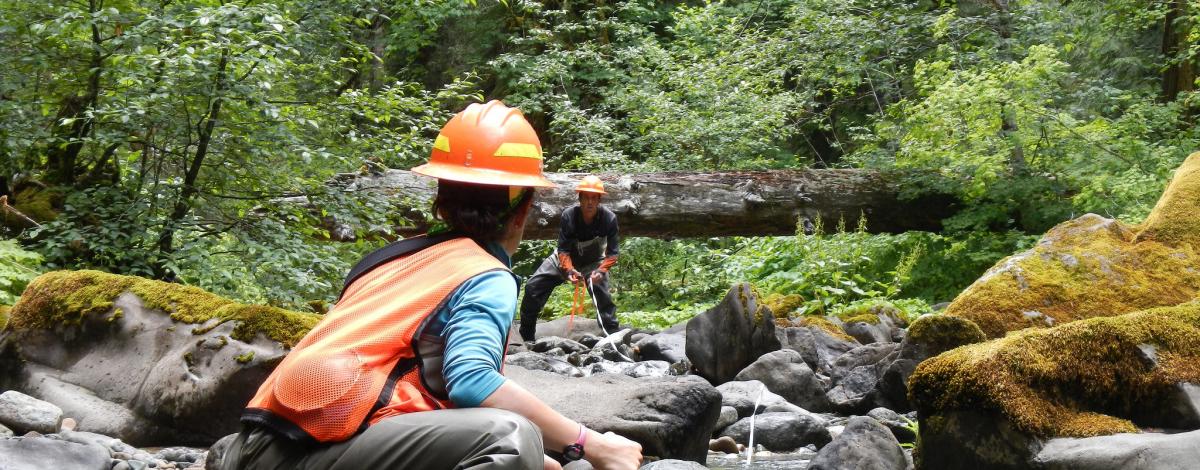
[[688, 205], [183, 205], [1180, 75]]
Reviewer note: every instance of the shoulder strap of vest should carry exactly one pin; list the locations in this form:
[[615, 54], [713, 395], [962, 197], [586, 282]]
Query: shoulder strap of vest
[[392, 251]]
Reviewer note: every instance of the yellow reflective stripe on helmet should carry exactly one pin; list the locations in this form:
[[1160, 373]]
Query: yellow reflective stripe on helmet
[[442, 143], [513, 149]]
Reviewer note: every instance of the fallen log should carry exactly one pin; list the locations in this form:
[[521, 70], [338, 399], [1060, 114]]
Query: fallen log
[[690, 205]]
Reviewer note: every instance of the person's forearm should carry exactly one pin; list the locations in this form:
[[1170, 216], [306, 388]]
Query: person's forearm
[[557, 430]]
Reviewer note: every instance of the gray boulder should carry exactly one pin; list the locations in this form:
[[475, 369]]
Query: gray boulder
[[928, 336], [1149, 451], [899, 425], [6, 433], [863, 445], [785, 373], [729, 415], [818, 347], [39, 453], [662, 347], [671, 417], [134, 373], [780, 431], [974, 440], [728, 337], [742, 396], [23, 413], [855, 375]]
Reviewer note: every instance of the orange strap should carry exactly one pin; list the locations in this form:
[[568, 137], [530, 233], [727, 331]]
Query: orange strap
[[576, 307]]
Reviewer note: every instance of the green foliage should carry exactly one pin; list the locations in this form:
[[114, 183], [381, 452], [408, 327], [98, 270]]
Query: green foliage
[[17, 268]]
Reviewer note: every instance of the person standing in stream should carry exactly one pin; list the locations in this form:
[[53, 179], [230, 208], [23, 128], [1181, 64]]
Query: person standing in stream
[[587, 249]]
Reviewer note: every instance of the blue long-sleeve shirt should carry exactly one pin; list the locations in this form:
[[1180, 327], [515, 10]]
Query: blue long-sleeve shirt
[[475, 321]]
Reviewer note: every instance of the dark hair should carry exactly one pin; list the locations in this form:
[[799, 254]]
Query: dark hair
[[479, 211]]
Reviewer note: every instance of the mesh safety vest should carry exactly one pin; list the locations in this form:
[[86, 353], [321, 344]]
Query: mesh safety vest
[[369, 358]]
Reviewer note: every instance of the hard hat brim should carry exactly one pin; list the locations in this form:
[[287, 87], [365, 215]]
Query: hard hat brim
[[590, 190], [481, 176]]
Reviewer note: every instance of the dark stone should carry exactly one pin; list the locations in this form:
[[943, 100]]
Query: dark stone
[[780, 432], [535, 361], [662, 347], [863, 445], [725, 339], [785, 373], [973, 440], [818, 348], [671, 417], [897, 424]]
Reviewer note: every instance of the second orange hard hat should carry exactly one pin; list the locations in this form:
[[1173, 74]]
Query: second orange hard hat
[[590, 184]]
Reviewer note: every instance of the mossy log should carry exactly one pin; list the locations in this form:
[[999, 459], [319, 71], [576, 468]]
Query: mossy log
[[685, 205]]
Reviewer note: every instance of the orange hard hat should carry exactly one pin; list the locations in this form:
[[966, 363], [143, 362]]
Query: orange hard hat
[[487, 144], [590, 184]]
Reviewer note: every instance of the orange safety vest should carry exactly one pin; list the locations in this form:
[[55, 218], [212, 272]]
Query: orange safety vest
[[369, 358]]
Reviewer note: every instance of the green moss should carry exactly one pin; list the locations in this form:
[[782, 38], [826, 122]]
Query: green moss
[[245, 358], [39, 204], [940, 333], [1080, 379], [189, 359], [783, 305], [4, 309], [1175, 219], [67, 297], [816, 321], [864, 318], [1082, 268]]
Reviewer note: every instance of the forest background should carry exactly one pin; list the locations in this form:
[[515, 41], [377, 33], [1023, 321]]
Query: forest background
[[152, 137]]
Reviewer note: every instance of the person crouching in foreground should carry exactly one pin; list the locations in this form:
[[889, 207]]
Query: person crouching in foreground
[[404, 371]]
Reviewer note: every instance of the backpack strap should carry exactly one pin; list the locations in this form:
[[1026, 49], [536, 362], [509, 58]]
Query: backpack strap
[[392, 251]]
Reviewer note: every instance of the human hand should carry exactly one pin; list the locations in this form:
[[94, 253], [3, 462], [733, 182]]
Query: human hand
[[610, 451], [597, 276], [574, 276], [549, 463]]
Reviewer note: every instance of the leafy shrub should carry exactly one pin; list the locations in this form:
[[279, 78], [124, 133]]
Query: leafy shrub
[[17, 268]]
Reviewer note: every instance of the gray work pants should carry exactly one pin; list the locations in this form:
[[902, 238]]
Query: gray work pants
[[468, 438], [548, 276]]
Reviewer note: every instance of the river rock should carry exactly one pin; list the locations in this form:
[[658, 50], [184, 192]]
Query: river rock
[[728, 337]]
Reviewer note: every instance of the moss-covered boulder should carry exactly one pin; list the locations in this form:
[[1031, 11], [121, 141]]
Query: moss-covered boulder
[[1091, 377], [1083, 268], [146, 361], [1175, 219], [1094, 266], [4, 309]]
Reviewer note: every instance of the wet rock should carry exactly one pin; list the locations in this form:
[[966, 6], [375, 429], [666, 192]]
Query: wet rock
[[855, 375], [818, 347], [536, 361], [785, 373], [780, 432], [864, 444], [742, 397], [671, 417], [547, 343]]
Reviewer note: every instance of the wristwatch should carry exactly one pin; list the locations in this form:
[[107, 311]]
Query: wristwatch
[[573, 452]]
